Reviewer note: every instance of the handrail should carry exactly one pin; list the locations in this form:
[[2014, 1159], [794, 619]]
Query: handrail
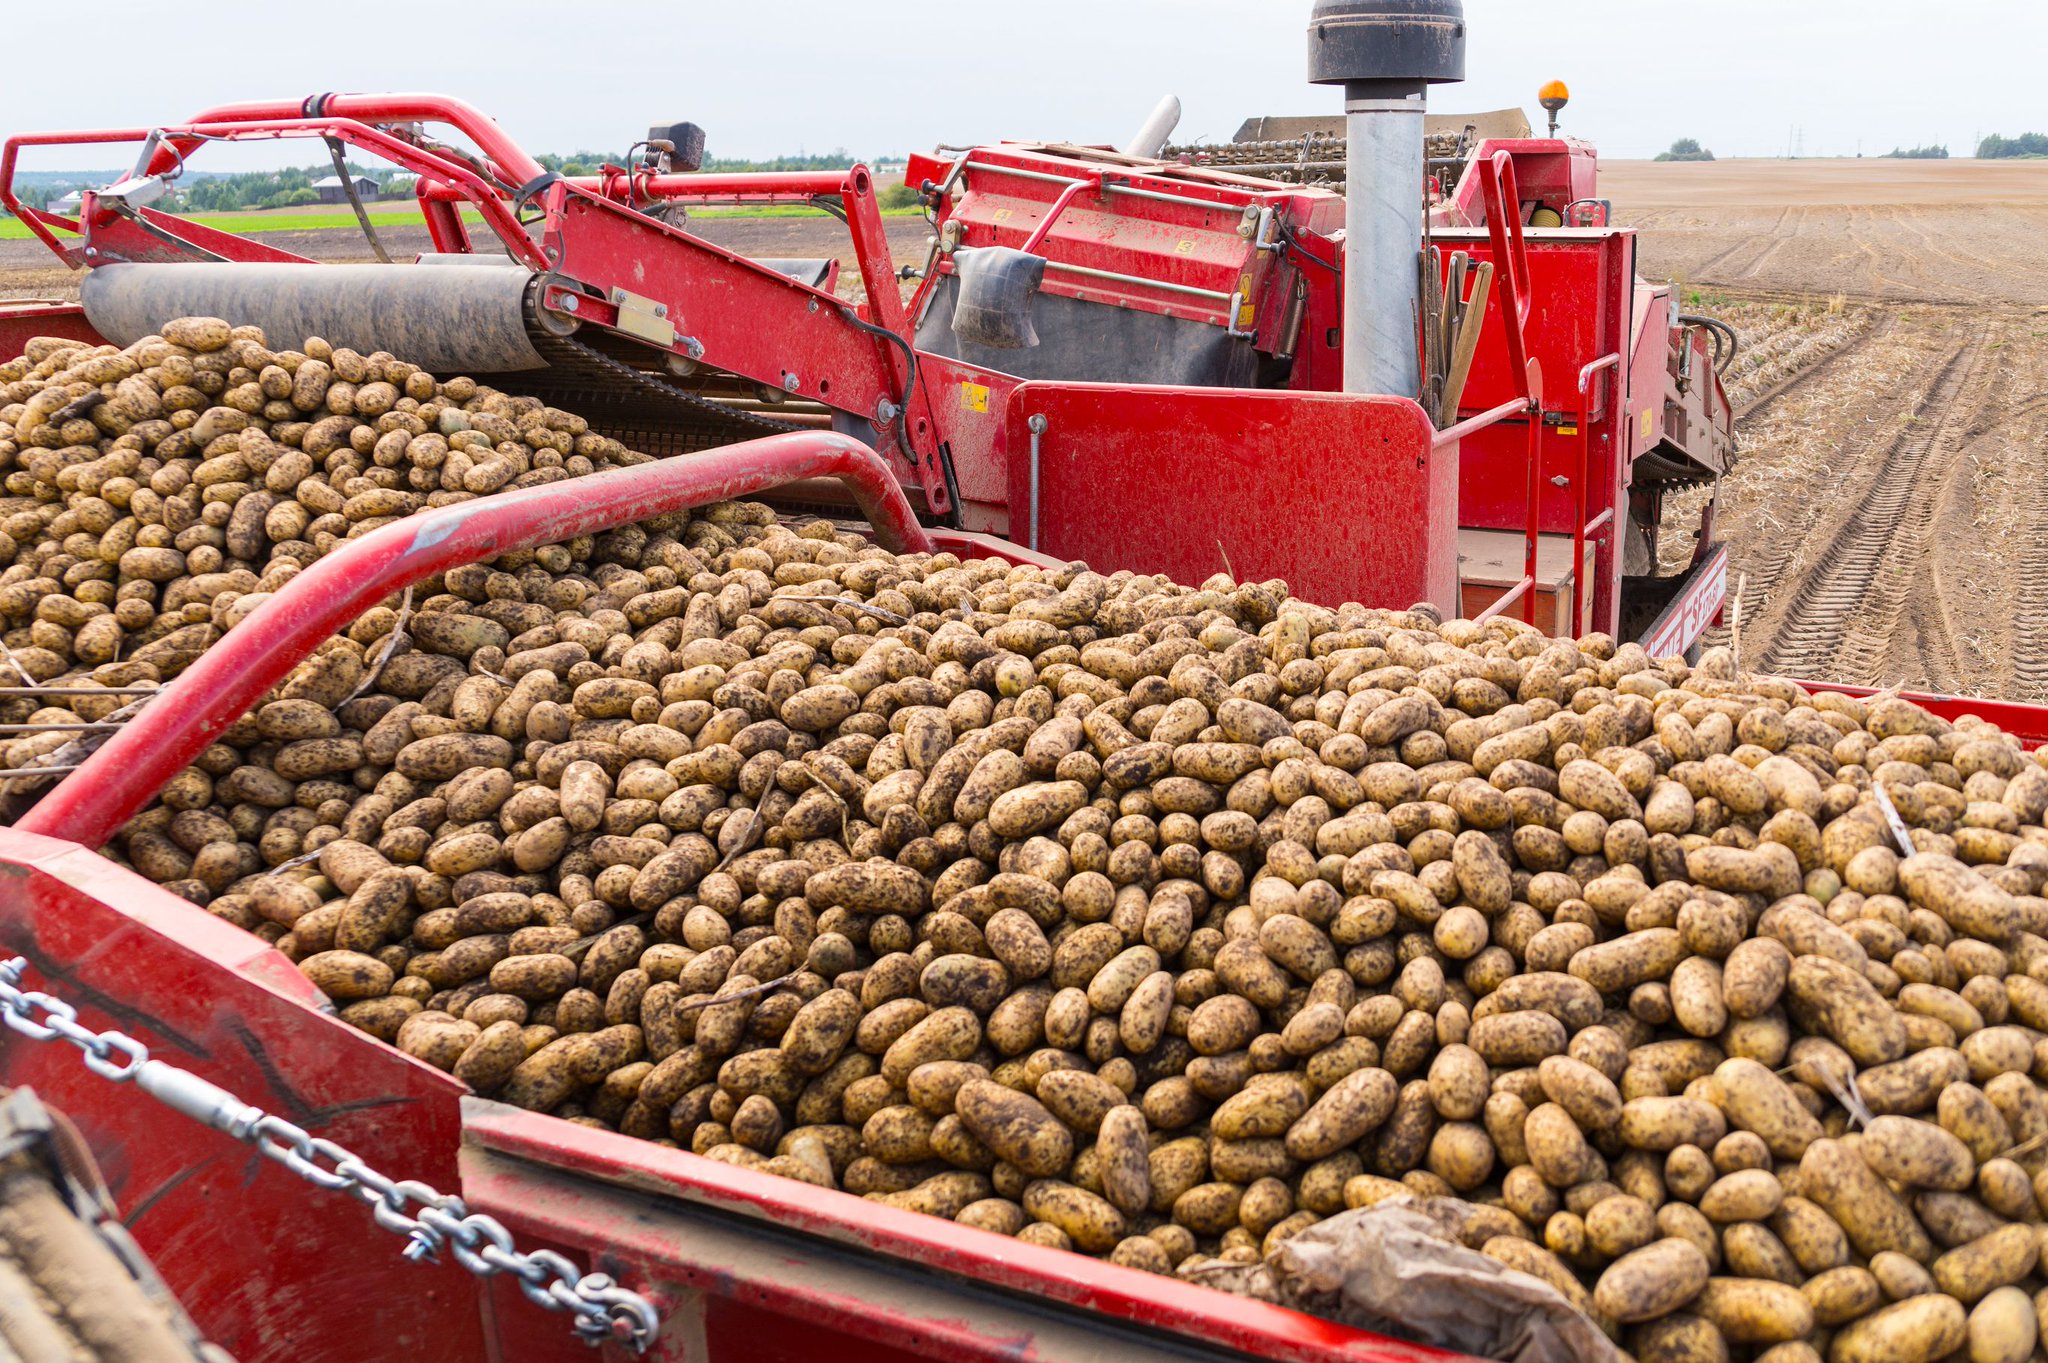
[[401, 152], [1059, 206], [1510, 253], [1582, 476], [110, 786], [507, 156], [1451, 435]]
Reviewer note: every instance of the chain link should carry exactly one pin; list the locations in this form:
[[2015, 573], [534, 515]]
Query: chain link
[[603, 1311]]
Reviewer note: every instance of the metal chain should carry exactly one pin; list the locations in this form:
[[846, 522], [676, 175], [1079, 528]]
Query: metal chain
[[604, 1312]]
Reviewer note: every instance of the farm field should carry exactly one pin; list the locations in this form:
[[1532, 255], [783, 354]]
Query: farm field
[[1883, 518]]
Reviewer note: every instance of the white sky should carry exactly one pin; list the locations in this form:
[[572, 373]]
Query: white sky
[[877, 76]]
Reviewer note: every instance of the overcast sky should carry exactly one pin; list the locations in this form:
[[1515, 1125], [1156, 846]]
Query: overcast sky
[[1746, 77]]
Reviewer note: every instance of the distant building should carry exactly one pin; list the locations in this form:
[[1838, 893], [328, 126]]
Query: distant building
[[333, 190], [67, 203]]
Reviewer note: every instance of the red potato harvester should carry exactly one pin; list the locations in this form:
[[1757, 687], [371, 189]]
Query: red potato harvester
[[1108, 356]]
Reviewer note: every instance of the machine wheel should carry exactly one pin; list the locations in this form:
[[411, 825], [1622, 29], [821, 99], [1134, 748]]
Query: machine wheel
[[73, 1286]]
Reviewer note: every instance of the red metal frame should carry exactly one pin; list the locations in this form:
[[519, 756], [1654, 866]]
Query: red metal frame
[[688, 1238], [1215, 248]]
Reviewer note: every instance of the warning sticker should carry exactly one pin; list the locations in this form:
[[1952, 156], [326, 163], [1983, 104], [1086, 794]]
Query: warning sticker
[[973, 396]]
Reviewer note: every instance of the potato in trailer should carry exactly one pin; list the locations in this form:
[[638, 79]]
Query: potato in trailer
[[741, 1265]]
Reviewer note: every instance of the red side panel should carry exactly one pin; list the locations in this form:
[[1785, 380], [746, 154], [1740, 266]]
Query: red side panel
[[2028, 723], [751, 1268], [21, 322], [1342, 496], [270, 1267]]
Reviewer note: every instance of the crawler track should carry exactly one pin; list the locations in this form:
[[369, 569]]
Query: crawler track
[[1840, 620]]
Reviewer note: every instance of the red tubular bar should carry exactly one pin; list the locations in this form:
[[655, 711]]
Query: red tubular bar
[[376, 140], [119, 779], [507, 156], [1510, 254], [1532, 384], [1581, 477], [1451, 435], [1059, 206]]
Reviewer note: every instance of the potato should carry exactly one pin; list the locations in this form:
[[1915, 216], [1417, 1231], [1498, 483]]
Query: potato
[[1841, 1294], [1017, 1128], [1875, 1218], [1917, 1154], [2004, 1256], [1917, 1330], [2002, 1327], [347, 975], [1355, 1105], [1756, 1100], [1678, 1338], [1751, 1311], [1746, 1195], [1668, 1123]]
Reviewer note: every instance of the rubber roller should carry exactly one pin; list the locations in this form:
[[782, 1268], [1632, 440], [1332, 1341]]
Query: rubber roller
[[469, 320]]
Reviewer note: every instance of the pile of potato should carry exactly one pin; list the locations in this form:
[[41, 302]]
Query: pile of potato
[[151, 489], [1159, 922]]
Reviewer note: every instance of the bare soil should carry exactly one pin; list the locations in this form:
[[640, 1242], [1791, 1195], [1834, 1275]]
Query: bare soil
[[1921, 231]]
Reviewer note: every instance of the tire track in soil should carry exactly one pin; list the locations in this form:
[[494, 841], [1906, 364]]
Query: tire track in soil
[[1931, 650], [1840, 620], [1707, 267], [2028, 648], [1757, 405]]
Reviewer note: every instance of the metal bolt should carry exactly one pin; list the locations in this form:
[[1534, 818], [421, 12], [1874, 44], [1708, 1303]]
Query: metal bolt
[[811, 305], [789, 382], [569, 303]]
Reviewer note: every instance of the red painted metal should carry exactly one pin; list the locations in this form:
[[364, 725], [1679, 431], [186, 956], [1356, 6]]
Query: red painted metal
[[1451, 435], [118, 779], [270, 1268], [2028, 723], [1510, 255], [23, 319], [1581, 527], [505, 156], [1196, 481], [659, 1213], [1698, 604]]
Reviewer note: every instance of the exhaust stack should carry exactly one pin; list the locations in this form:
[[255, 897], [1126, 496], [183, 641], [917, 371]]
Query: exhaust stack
[[1386, 54]]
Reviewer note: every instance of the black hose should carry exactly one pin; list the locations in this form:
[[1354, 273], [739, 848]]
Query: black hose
[[1726, 343], [903, 415]]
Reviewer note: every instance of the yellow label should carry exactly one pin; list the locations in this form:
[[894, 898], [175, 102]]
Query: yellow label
[[1000, 215], [973, 396], [1648, 425], [1567, 430], [1184, 247]]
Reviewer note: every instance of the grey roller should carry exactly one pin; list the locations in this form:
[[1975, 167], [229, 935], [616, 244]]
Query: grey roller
[[446, 321]]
